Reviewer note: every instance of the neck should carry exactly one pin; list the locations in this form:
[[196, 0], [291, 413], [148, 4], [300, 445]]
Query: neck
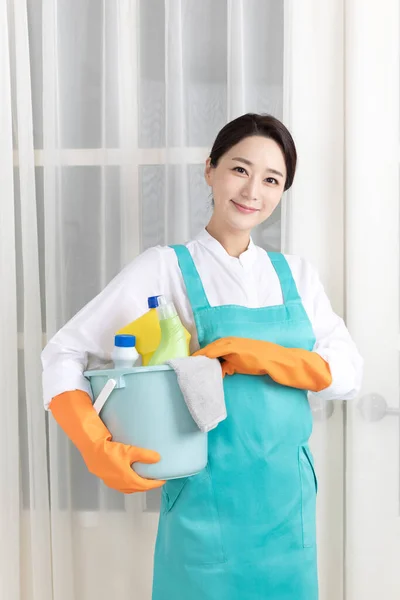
[[233, 241]]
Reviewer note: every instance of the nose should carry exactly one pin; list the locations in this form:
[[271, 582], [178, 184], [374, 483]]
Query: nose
[[250, 190]]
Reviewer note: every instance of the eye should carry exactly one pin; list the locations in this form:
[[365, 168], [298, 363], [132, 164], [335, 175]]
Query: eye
[[272, 180], [240, 170]]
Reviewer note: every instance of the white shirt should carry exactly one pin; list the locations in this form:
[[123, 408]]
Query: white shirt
[[250, 280]]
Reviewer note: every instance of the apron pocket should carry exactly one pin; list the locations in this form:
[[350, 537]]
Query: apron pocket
[[191, 526], [171, 490], [309, 487]]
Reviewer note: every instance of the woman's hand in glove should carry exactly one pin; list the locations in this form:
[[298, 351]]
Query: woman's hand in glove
[[110, 461], [293, 367]]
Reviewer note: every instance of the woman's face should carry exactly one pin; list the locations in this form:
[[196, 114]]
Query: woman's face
[[247, 184]]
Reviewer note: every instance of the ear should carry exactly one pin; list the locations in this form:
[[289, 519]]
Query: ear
[[208, 171]]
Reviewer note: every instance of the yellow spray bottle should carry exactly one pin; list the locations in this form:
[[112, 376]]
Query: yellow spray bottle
[[148, 332]]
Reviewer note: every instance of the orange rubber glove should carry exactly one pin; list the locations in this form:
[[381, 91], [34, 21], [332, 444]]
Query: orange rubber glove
[[292, 367], [111, 461]]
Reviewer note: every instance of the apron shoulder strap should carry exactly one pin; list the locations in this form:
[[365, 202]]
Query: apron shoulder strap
[[194, 287], [288, 284]]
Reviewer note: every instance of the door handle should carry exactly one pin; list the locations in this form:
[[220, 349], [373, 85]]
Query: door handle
[[373, 407]]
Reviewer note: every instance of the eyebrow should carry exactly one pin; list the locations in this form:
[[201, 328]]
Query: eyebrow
[[250, 164]]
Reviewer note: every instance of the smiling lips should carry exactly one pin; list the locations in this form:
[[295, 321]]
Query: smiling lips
[[245, 209]]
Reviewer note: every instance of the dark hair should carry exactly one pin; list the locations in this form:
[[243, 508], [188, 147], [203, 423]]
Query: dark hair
[[253, 124]]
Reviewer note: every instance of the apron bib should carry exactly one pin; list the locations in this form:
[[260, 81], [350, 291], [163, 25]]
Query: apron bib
[[244, 528]]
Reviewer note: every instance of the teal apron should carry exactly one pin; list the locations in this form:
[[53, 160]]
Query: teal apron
[[244, 528]]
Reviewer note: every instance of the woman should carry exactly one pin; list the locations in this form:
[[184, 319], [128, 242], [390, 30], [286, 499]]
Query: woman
[[244, 528]]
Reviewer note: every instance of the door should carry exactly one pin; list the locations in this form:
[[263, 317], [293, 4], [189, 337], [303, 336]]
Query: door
[[372, 300]]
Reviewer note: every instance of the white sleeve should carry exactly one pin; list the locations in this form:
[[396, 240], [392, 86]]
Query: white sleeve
[[333, 341], [87, 340]]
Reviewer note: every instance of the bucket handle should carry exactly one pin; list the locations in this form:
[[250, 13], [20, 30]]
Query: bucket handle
[[104, 395]]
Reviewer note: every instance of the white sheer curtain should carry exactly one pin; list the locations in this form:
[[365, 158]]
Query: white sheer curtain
[[108, 111]]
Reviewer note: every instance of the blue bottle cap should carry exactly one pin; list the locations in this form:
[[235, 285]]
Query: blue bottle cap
[[152, 301], [125, 341]]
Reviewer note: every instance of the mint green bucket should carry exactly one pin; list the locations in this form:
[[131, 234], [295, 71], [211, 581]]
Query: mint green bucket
[[146, 408]]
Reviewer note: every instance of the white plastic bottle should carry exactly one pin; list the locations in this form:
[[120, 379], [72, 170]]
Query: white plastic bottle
[[125, 355]]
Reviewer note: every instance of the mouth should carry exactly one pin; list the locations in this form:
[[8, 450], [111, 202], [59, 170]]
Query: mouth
[[245, 209]]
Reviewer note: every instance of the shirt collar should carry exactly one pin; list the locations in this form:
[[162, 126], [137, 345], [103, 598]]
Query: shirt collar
[[246, 259]]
